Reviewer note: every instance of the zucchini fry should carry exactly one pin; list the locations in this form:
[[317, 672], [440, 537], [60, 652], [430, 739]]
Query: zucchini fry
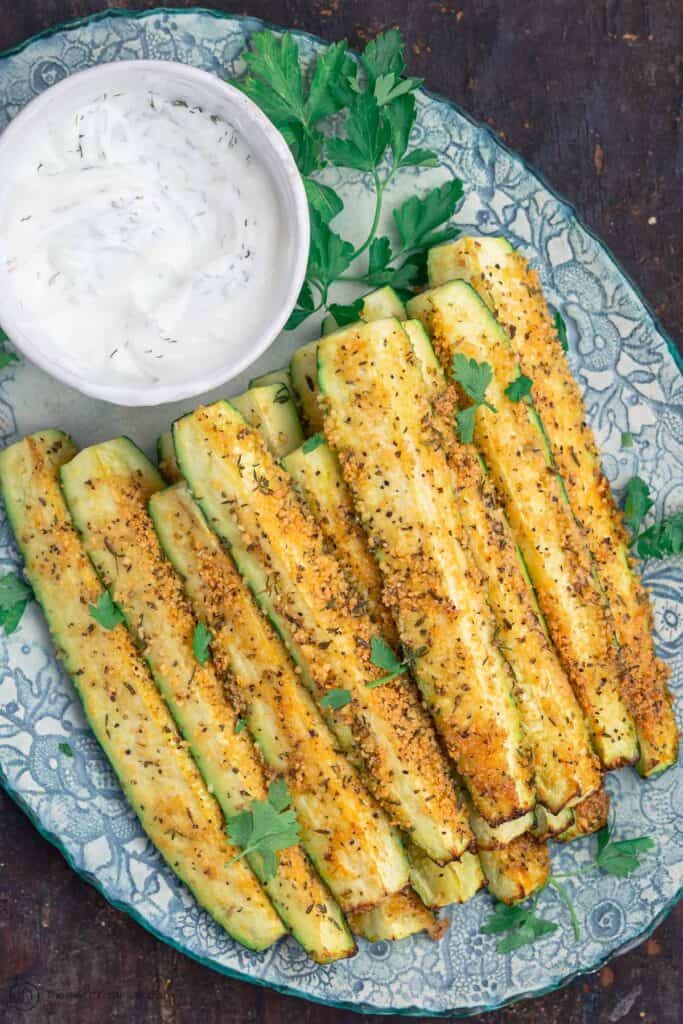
[[396, 918], [512, 290], [566, 770], [344, 832], [107, 488], [589, 816], [378, 420], [517, 870], [249, 501], [551, 541], [122, 704], [270, 408]]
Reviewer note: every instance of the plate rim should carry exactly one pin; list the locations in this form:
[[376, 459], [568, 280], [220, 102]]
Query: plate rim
[[54, 839]]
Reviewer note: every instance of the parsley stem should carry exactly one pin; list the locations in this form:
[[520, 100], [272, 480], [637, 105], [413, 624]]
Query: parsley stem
[[554, 884], [379, 195]]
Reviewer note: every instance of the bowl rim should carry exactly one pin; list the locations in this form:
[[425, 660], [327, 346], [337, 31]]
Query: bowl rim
[[295, 215]]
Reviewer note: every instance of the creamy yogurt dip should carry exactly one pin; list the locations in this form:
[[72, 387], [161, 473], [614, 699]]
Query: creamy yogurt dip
[[142, 239]]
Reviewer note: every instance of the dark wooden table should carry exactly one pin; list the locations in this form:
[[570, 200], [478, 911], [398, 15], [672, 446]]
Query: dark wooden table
[[589, 91]]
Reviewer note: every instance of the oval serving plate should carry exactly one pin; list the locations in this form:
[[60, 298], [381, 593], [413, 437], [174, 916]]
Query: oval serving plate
[[631, 377]]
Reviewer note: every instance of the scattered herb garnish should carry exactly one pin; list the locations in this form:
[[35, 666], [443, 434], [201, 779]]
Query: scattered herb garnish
[[15, 594], [523, 927], [374, 101], [519, 388], [661, 540], [240, 724], [561, 328], [106, 612], [201, 643], [637, 503], [270, 825], [627, 439], [311, 443], [65, 749], [473, 378], [282, 395], [6, 355], [336, 699], [382, 656]]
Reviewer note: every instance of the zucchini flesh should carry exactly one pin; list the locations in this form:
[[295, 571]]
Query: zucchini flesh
[[317, 476], [381, 303], [439, 885], [107, 488], [121, 702], [168, 467], [344, 832], [518, 869], [378, 419], [589, 816], [512, 290], [248, 500], [282, 376], [397, 918], [304, 371], [550, 540], [565, 768], [271, 410]]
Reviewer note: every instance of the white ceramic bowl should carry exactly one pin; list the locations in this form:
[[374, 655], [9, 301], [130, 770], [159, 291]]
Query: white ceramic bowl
[[174, 81]]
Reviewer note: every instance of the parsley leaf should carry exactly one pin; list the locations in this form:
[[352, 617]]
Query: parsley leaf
[[240, 725], [637, 503], [418, 217], [663, 539], [348, 314], [201, 643], [275, 60], [15, 594], [335, 699], [521, 924], [106, 612], [621, 858], [561, 328], [367, 136], [312, 443], [390, 87], [382, 656], [474, 378], [270, 825], [627, 439], [330, 254], [323, 96], [6, 356], [65, 749], [519, 388], [384, 55], [324, 200], [305, 305]]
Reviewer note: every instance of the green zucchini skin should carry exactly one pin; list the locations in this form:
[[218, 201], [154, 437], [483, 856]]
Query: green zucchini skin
[[122, 703], [344, 831], [511, 289], [249, 501], [534, 499], [107, 488], [377, 418]]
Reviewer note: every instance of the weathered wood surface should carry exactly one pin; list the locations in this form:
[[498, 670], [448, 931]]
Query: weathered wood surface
[[590, 93]]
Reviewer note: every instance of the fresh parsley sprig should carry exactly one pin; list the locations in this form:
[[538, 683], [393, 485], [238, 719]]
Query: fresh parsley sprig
[[15, 594], [375, 107], [6, 355], [383, 657], [474, 378], [268, 826], [201, 643], [106, 612], [336, 698], [520, 923], [663, 539]]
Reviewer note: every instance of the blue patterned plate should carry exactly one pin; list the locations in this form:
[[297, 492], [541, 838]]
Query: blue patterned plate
[[629, 373]]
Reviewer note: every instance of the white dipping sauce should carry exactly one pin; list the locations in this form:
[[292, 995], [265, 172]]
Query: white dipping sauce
[[142, 239]]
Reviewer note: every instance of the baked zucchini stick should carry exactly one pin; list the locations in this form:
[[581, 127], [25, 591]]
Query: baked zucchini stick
[[345, 833], [551, 541], [107, 488], [270, 408], [378, 419], [249, 501], [121, 702], [512, 290], [396, 918], [589, 816], [565, 768], [436, 884]]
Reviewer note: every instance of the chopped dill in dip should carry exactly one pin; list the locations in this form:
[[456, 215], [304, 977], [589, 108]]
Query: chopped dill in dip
[[142, 239]]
